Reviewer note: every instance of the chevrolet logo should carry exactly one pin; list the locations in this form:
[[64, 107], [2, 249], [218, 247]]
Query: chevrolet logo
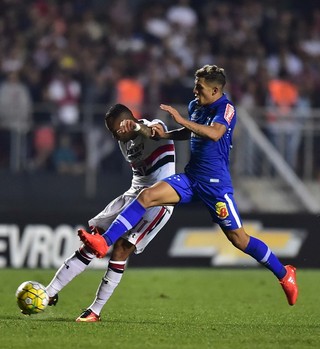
[[211, 242]]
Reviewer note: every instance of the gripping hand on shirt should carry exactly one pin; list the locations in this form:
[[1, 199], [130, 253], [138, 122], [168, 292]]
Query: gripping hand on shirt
[[127, 125]]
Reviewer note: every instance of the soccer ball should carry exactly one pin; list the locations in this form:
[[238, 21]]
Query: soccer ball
[[32, 297]]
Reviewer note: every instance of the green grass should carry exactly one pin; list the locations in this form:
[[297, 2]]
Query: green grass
[[168, 309]]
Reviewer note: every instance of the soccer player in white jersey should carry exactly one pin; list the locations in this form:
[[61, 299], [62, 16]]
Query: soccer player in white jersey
[[150, 160]]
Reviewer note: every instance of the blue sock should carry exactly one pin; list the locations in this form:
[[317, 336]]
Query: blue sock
[[262, 253], [125, 221]]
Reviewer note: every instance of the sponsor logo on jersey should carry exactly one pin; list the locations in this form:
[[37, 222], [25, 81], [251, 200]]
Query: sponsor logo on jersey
[[226, 223], [221, 210], [134, 152], [229, 113]]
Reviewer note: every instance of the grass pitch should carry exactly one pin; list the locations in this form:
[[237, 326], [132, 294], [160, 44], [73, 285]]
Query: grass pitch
[[168, 309]]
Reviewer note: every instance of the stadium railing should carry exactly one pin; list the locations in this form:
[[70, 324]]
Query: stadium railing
[[260, 167]]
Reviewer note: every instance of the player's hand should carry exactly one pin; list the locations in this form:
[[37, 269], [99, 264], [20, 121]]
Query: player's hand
[[173, 112], [157, 131], [127, 126]]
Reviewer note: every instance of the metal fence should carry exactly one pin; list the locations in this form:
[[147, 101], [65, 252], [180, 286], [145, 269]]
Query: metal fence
[[295, 141]]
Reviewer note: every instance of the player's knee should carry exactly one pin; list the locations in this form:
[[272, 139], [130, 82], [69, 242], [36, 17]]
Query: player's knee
[[96, 230], [122, 250], [147, 197], [238, 239]]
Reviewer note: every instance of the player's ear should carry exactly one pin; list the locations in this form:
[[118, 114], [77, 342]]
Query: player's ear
[[214, 90]]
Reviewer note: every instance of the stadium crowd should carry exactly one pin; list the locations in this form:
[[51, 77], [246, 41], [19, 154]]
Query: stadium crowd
[[74, 55]]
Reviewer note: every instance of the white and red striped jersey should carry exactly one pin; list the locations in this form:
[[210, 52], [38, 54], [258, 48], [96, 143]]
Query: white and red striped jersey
[[151, 160]]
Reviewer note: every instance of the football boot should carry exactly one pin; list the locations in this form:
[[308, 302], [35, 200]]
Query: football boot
[[289, 284], [88, 316]]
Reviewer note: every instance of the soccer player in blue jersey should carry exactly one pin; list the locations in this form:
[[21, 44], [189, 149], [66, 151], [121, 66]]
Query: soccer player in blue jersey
[[210, 126]]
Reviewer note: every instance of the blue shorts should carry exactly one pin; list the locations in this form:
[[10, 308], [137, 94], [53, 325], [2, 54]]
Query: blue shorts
[[217, 198]]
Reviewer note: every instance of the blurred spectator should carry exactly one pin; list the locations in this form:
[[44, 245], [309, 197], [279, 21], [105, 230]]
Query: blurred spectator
[[182, 14], [130, 92], [310, 39], [65, 158], [98, 92], [65, 92], [13, 61], [248, 98], [44, 141], [15, 120], [303, 114], [92, 43], [248, 101], [153, 90], [181, 41], [284, 127], [284, 58], [15, 104], [155, 23]]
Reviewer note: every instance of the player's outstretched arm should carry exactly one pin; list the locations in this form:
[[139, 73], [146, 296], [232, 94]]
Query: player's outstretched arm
[[214, 131], [130, 125], [180, 134]]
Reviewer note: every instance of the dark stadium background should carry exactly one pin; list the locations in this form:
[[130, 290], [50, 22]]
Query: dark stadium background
[[97, 44]]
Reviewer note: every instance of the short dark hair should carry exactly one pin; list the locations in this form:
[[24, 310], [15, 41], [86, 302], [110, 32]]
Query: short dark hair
[[212, 73], [116, 110]]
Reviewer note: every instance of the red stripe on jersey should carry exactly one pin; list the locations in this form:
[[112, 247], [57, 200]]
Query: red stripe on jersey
[[153, 223], [159, 151]]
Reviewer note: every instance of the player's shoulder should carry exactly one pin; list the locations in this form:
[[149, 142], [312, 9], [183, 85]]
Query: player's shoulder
[[224, 101], [226, 111], [224, 105]]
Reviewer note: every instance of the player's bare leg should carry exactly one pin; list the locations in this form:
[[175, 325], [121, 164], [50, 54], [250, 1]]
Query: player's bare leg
[[261, 252], [121, 251]]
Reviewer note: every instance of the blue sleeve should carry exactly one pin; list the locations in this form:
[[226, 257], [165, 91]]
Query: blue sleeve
[[224, 114]]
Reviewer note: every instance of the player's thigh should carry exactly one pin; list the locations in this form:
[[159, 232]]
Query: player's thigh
[[224, 211], [169, 191], [151, 223], [161, 193]]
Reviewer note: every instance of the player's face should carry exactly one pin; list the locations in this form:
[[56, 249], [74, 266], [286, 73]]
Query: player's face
[[204, 92], [114, 127]]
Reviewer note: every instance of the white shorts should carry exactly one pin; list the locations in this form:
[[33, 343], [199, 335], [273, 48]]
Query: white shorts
[[148, 227]]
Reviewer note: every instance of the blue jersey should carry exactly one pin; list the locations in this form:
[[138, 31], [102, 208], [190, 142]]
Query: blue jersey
[[209, 160], [207, 176]]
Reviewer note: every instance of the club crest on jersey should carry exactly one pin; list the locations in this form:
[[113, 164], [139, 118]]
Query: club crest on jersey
[[229, 113], [194, 116], [221, 210]]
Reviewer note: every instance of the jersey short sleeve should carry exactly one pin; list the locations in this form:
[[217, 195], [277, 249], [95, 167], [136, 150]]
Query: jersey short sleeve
[[224, 114]]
